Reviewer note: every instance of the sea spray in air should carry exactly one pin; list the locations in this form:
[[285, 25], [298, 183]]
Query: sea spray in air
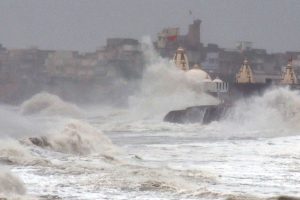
[[10, 184], [14, 125], [49, 104], [274, 113], [12, 187], [164, 88]]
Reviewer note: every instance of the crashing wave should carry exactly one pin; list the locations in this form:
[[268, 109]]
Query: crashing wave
[[164, 88], [10, 184], [49, 104], [13, 152], [278, 109], [76, 137]]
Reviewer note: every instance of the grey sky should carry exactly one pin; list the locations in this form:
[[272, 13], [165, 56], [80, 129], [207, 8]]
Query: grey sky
[[85, 24]]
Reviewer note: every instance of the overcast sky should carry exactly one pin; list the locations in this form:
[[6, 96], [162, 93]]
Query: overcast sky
[[85, 24]]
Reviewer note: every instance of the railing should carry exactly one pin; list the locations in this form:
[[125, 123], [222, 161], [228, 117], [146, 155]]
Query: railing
[[218, 87]]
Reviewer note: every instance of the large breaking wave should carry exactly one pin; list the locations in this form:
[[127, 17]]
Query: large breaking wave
[[275, 113], [76, 137], [164, 87]]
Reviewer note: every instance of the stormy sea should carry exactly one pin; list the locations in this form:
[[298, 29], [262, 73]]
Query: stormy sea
[[51, 148]]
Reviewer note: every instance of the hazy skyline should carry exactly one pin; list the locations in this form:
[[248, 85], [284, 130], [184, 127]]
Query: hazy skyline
[[85, 25]]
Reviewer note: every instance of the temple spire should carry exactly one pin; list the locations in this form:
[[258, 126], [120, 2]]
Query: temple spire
[[289, 76], [180, 59], [245, 74]]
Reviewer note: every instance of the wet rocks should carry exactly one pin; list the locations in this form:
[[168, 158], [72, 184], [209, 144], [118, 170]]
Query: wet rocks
[[197, 114], [40, 141]]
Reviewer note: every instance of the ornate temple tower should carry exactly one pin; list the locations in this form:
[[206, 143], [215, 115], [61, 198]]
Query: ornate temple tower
[[289, 76], [245, 74], [180, 59]]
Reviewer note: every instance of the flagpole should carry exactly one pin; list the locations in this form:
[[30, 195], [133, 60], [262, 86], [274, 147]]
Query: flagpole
[[191, 14]]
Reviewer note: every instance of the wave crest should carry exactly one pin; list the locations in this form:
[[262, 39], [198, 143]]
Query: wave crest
[[13, 152], [76, 137], [275, 113], [49, 104]]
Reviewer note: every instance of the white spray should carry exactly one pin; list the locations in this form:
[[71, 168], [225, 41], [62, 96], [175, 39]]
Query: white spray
[[49, 104], [164, 87], [77, 137], [10, 184], [276, 113]]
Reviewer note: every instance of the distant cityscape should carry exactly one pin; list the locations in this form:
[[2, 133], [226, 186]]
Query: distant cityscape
[[70, 74]]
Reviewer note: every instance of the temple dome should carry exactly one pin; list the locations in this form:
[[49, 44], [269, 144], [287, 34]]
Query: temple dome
[[197, 75]]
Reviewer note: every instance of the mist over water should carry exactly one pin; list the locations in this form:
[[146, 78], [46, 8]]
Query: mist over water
[[48, 104], [275, 113], [60, 149], [13, 124]]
